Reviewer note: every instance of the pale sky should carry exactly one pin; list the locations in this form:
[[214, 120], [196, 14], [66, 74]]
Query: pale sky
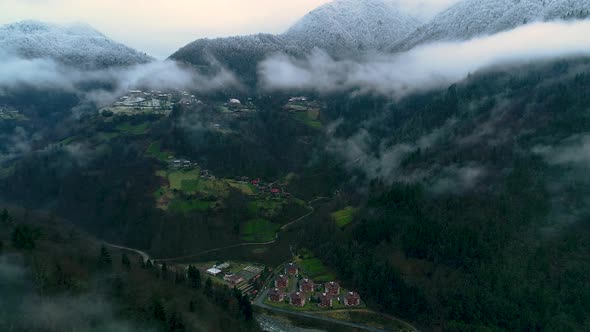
[[160, 27]]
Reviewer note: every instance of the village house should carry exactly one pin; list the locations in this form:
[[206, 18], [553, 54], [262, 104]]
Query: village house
[[223, 266], [352, 299], [298, 299], [306, 286], [275, 191], [326, 300], [214, 271], [276, 295], [297, 99], [235, 102], [291, 269], [332, 288], [282, 282]]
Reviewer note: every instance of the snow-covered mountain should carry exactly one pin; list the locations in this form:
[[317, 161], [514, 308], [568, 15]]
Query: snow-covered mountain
[[77, 45], [471, 18], [352, 25], [341, 28]]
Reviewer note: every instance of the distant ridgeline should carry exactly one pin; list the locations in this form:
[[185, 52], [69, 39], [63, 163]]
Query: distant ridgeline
[[76, 45]]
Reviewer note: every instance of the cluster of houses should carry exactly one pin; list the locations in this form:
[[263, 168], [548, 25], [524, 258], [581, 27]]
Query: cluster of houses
[[139, 99], [269, 188], [298, 99], [6, 114], [308, 291], [187, 99], [183, 164]]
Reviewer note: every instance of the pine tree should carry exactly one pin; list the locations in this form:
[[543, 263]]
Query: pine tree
[[158, 310], [208, 290], [247, 308], [125, 261], [164, 270], [175, 322], [5, 216], [194, 275], [23, 237], [105, 258]]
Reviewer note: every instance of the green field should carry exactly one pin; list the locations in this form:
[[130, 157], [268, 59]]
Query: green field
[[178, 178], [315, 269], [304, 118], [344, 216], [224, 109], [155, 150], [245, 188], [6, 172], [68, 140], [130, 129], [299, 108], [259, 230], [267, 207]]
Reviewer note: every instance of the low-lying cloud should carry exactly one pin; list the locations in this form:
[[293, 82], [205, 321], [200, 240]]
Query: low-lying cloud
[[574, 151], [18, 73], [425, 67], [22, 309]]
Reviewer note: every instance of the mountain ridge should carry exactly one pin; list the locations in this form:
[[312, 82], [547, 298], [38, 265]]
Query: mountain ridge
[[472, 18], [78, 45]]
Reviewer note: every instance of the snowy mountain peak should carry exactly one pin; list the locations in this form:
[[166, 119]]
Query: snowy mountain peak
[[470, 18], [353, 24], [78, 45]]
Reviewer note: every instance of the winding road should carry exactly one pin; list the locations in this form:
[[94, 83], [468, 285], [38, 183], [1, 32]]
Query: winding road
[[259, 301], [147, 257]]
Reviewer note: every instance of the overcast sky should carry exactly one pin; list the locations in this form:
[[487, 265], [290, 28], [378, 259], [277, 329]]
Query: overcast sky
[[160, 27]]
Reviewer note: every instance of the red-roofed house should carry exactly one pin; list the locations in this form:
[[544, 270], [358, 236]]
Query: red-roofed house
[[291, 269], [282, 282], [275, 191], [255, 182], [298, 299], [306, 286], [332, 288], [276, 295], [326, 300], [352, 299]]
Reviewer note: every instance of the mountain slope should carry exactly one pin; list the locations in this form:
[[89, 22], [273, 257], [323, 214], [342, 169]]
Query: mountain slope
[[75, 45], [471, 18], [342, 28], [351, 25], [239, 54]]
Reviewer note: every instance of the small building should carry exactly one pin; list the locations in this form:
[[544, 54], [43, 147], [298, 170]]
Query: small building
[[234, 101], [297, 99], [276, 295], [214, 271], [223, 266], [233, 279], [332, 288], [282, 282], [298, 299], [291, 269], [326, 300], [306, 286], [352, 299], [275, 191]]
